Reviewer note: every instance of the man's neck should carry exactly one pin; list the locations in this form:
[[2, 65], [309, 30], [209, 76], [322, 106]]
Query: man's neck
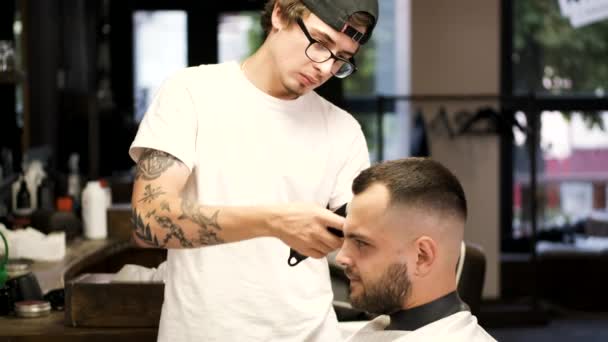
[[259, 71], [428, 291]]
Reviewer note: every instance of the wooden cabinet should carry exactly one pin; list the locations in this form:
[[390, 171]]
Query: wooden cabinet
[[90, 256]]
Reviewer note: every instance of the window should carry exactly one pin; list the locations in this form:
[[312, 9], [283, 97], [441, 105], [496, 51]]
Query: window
[[239, 35], [161, 48], [564, 69], [572, 174], [551, 56], [383, 65]]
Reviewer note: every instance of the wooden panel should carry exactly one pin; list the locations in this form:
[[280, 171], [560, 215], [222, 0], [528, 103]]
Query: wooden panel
[[119, 222], [93, 300], [51, 328]]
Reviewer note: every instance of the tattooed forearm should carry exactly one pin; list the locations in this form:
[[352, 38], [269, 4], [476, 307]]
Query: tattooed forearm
[[208, 226], [145, 235], [153, 163], [205, 235], [151, 213], [175, 231], [164, 205], [208, 237], [143, 232], [151, 194]]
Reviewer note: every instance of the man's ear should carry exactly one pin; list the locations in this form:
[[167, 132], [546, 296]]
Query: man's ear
[[277, 19], [426, 255]]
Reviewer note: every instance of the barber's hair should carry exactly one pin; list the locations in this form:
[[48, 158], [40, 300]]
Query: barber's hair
[[294, 9], [419, 182]]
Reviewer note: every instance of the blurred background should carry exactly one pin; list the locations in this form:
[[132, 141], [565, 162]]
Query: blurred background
[[510, 95]]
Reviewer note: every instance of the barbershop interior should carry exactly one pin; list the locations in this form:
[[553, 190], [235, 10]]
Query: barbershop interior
[[509, 95]]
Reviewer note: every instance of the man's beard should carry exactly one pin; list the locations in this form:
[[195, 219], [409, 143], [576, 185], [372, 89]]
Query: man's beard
[[385, 295]]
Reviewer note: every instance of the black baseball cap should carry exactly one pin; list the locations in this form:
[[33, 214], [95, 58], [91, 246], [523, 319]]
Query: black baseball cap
[[336, 13]]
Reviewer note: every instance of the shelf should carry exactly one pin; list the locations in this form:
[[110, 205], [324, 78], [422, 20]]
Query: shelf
[[10, 77]]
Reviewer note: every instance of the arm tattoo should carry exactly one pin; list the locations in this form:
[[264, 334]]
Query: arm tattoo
[[152, 163], [208, 226], [164, 205], [142, 230], [144, 233], [174, 231], [151, 194], [151, 213], [207, 232]]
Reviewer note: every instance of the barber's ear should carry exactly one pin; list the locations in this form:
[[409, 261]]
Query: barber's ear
[[426, 250], [277, 20]]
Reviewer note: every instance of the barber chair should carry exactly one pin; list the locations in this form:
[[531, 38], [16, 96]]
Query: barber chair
[[470, 275]]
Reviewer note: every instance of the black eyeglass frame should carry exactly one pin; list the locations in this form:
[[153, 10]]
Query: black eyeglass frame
[[312, 41]]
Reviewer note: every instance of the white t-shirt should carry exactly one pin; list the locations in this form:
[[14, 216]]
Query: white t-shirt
[[246, 148], [459, 327]]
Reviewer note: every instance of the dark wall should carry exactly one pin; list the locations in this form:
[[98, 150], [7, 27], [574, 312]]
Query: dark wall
[[10, 134], [60, 68]]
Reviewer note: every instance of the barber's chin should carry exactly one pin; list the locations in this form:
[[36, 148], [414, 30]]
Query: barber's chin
[[303, 84], [296, 90]]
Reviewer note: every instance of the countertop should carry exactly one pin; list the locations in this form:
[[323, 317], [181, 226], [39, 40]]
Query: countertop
[[51, 328], [50, 276]]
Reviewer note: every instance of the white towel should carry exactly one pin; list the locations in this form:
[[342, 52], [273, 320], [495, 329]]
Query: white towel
[[30, 243]]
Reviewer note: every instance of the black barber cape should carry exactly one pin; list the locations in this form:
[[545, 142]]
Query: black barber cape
[[445, 319], [415, 318]]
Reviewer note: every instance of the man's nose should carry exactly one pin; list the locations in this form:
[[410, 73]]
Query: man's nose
[[325, 67], [342, 257]]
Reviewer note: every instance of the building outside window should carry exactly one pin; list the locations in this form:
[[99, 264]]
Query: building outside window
[[563, 61]]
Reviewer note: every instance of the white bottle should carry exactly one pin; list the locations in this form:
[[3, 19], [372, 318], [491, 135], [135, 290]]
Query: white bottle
[[94, 207]]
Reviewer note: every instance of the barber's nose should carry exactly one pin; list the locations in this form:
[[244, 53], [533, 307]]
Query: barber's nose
[[325, 67]]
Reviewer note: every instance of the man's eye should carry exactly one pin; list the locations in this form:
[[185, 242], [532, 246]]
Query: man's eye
[[360, 243]]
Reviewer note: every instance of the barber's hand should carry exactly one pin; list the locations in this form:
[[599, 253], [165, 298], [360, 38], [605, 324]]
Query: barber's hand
[[303, 227]]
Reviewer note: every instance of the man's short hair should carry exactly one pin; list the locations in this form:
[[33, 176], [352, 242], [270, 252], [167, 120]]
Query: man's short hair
[[419, 182], [294, 9]]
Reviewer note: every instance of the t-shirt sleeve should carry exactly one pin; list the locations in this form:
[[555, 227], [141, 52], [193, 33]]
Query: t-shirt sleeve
[[357, 159], [170, 123]]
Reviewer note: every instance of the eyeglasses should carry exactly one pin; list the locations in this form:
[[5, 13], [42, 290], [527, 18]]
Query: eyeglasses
[[319, 53]]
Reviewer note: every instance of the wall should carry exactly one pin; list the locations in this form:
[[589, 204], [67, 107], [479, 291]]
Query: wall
[[455, 50]]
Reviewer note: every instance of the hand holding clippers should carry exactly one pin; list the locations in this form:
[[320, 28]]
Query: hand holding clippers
[[295, 257]]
